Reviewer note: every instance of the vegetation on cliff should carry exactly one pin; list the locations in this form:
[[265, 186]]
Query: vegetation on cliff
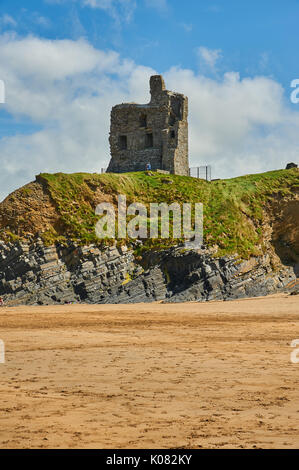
[[237, 212]]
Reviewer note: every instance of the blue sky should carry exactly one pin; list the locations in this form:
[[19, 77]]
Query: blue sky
[[254, 36], [234, 59]]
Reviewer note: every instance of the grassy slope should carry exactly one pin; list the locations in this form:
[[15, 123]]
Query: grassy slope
[[233, 208]]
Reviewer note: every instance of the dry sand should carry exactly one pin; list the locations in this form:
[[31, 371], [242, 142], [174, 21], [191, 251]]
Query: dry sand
[[193, 375]]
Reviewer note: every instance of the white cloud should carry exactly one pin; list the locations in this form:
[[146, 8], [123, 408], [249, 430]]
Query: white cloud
[[24, 18], [67, 88], [48, 60], [213, 9], [187, 27], [8, 20], [119, 10], [239, 126], [208, 57], [41, 20], [264, 61], [160, 5]]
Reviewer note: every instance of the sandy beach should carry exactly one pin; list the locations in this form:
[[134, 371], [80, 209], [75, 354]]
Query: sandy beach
[[193, 375]]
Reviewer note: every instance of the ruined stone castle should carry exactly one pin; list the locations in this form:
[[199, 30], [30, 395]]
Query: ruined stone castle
[[154, 133]]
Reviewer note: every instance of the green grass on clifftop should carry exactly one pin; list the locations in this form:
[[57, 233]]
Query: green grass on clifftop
[[234, 209]]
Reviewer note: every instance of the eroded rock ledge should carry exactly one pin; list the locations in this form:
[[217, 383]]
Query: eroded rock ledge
[[36, 274]]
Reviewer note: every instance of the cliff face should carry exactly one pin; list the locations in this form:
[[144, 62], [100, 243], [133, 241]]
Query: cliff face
[[36, 274], [49, 252]]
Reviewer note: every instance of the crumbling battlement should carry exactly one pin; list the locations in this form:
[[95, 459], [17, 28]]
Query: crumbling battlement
[[155, 133]]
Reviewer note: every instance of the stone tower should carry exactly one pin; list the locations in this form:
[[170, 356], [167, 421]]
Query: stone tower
[[155, 133]]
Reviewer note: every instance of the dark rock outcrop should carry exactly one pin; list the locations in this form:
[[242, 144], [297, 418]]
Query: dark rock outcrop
[[36, 274], [291, 165]]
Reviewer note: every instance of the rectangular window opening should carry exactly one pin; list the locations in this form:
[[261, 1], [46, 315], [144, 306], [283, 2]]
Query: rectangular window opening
[[143, 121], [149, 140], [123, 144]]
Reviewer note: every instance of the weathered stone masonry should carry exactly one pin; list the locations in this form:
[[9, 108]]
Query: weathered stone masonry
[[155, 133]]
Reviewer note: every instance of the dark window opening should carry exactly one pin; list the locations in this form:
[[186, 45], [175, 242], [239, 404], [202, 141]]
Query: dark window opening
[[123, 142], [143, 121], [171, 119], [149, 140], [172, 134]]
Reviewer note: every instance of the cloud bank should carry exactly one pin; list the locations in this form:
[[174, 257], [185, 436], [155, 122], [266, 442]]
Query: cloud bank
[[66, 89]]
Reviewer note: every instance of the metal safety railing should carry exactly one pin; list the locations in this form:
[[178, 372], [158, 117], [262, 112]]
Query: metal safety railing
[[203, 172]]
